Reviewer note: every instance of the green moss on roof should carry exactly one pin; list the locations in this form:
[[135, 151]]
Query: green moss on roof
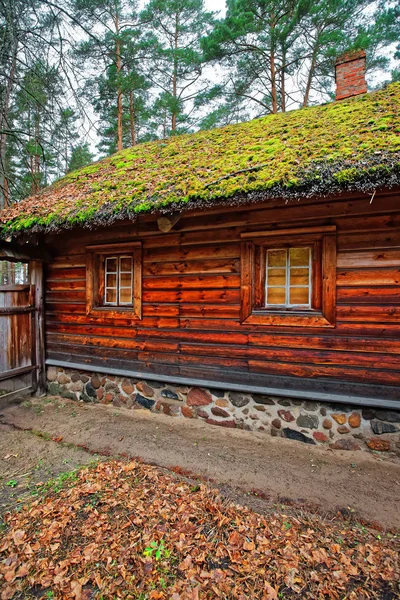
[[346, 145]]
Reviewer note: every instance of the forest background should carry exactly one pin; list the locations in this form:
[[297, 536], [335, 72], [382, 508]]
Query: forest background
[[81, 79]]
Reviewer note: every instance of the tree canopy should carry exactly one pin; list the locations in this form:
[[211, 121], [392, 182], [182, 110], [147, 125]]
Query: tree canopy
[[81, 79]]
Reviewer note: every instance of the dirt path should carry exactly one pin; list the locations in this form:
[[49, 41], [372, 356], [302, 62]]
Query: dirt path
[[362, 484]]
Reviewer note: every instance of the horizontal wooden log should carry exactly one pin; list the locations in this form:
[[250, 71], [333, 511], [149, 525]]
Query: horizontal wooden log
[[368, 258], [66, 284], [372, 295], [54, 273], [221, 296], [368, 277], [382, 314], [186, 282], [189, 267], [367, 240], [191, 253], [326, 371]]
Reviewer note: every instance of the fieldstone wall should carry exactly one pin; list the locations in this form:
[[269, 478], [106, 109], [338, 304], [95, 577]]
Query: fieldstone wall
[[338, 426]]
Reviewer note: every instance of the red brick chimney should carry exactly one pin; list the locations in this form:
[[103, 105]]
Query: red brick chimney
[[350, 74]]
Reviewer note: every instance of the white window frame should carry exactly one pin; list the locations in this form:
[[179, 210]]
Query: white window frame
[[118, 287], [287, 285]]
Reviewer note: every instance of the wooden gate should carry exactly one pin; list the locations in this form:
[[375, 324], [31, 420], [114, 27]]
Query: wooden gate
[[21, 321]]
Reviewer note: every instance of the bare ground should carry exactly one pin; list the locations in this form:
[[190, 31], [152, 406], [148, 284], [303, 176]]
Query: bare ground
[[250, 468]]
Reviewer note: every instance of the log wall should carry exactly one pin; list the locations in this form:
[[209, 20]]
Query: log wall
[[191, 301]]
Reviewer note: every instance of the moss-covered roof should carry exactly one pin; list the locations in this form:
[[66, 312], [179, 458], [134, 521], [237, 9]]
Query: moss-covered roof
[[340, 146]]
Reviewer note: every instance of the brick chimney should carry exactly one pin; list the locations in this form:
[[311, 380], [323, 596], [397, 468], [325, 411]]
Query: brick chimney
[[350, 74]]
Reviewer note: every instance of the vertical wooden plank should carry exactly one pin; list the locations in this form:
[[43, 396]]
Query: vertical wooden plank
[[38, 335], [137, 282], [247, 279], [329, 278]]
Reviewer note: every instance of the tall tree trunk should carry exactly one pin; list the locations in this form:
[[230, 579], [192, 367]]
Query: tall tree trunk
[[310, 77], [119, 91], [175, 76], [4, 120], [132, 118], [282, 81], [273, 83], [36, 158]]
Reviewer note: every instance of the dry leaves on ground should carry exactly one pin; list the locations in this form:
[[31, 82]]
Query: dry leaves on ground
[[128, 530]]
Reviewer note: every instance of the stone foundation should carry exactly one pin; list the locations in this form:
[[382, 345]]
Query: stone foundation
[[341, 427]]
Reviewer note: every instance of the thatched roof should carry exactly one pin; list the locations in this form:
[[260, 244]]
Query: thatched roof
[[341, 146]]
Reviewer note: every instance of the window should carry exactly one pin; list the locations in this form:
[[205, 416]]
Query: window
[[114, 280], [118, 284], [288, 277]]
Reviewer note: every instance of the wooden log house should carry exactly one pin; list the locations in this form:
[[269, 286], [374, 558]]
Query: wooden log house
[[247, 275]]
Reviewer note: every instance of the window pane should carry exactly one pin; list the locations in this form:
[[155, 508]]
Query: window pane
[[125, 280], [277, 277], [111, 280], [111, 296], [299, 257], [111, 265], [276, 258], [125, 295], [298, 295], [276, 296], [126, 264], [299, 276]]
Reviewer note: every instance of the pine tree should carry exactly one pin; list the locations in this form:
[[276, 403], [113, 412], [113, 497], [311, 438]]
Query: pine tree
[[173, 32]]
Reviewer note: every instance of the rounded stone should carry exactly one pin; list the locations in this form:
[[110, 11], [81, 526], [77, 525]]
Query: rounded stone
[[283, 402], [169, 394], [108, 398], [219, 412], [260, 407], [76, 386], [110, 386], [320, 436], [75, 377], [262, 399], [187, 412], [63, 379], [84, 378], [222, 402], [127, 387], [90, 391], [327, 424], [51, 374], [198, 397], [53, 388], [342, 429], [368, 413], [378, 444], [145, 389], [322, 411], [354, 420], [200, 412], [345, 444], [339, 418], [379, 427], [117, 401], [308, 421], [286, 415], [238, 400], [96, 381], [100, 394], [276, 423], [217, 392]]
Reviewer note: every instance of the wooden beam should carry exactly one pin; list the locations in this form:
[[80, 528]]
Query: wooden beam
[[166, 223]]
